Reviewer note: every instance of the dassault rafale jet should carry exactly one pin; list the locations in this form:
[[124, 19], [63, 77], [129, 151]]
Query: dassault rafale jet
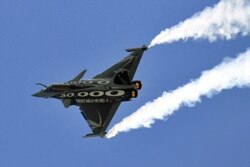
[[99, 98]]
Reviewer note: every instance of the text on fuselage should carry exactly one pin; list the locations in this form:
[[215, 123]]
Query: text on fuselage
[[97, 93]]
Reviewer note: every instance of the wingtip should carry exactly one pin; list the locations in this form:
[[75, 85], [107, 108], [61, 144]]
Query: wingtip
[[101, 135], [143, 47]]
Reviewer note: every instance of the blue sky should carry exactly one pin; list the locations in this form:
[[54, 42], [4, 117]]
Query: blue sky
[[51, 41]]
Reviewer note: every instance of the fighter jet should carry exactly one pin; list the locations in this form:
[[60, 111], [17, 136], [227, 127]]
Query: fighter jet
[[99, 98]]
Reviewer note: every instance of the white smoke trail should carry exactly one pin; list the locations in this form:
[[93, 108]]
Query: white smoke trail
[[230, 73], [224, 20]]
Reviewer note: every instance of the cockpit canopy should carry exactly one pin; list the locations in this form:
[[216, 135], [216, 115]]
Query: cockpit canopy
[[60, 87]]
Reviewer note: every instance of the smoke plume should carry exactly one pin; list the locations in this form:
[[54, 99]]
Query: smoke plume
[[227, 75], [224, 20]]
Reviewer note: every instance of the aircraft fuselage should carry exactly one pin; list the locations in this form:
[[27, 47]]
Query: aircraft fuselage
[[94, 91]]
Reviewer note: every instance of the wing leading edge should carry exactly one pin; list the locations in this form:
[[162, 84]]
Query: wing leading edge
[[129, 63]]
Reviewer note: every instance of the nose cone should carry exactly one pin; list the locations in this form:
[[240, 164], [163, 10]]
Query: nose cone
[[45, 94], [40, 94]]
